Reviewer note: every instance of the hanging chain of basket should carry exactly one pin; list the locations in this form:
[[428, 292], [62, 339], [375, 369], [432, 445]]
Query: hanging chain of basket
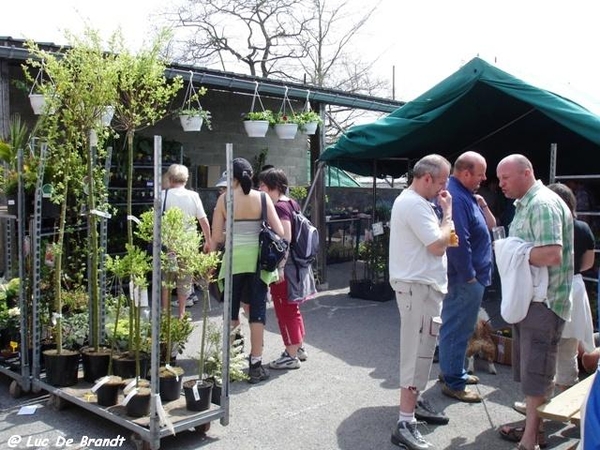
[[191, 100], [256, 96], [286, 106]]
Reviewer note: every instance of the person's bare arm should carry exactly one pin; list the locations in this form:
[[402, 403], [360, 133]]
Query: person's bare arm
[[438, 248], [546, 255], [205, 225], [587, 260], [273, 218], [218, 224], [490, 220]]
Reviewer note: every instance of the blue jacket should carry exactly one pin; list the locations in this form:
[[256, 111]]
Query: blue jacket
[[473, 257]]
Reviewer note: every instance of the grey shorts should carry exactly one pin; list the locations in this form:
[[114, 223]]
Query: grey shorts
[[535, 349]]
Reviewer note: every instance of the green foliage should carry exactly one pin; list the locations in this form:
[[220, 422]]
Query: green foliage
[[10, 313], [135, 265], [179, 333], [298, 193], [266, 114], [213, 353], [305, 117], [18, 137], [375, 253], [182, 243]]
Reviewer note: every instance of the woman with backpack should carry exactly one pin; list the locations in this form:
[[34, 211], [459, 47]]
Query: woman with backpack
[[291, 324], [249, 284]]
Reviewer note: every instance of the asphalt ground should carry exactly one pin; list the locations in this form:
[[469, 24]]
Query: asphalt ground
[[345, 396]]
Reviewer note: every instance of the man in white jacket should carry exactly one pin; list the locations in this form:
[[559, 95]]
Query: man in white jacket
[[542, 219]]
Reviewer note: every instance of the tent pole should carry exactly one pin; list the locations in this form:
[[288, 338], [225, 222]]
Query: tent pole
[[553, 154], [374, 189]]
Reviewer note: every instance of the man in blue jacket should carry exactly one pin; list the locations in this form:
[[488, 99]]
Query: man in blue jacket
[[469, 272]]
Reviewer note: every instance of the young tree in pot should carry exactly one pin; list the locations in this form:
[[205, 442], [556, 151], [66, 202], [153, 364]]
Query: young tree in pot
[[84, 81], [182, 255], [144, 95], [134, 266]]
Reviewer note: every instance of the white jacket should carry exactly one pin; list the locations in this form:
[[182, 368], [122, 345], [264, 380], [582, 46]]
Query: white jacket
[[521, 282]]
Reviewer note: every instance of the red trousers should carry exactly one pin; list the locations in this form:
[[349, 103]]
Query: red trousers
[[289, 318]]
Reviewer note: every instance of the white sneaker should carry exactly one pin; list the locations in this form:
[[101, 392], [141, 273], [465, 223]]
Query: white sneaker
[[301, 354], [285, 361]]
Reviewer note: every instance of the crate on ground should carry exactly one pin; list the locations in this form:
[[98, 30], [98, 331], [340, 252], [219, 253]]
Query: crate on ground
[[503, 347]]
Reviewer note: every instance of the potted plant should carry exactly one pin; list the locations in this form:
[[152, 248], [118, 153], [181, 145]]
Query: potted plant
[[285, 125], [213, 355], [181, 241], [191, 114], [84, 80], [256, 123], [308, 121], [374, 284], [134, 266], [10, 313], [175, 331], [192, 119]]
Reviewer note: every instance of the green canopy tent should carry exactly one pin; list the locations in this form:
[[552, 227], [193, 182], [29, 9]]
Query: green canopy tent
[[479, 107]]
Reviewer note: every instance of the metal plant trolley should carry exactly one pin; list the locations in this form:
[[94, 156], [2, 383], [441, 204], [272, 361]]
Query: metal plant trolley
[[147, 431]]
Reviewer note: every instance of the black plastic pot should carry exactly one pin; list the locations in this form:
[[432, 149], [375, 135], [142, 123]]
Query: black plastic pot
[[61, 369], [215, 397], [169, 388], [108, 393], [95, 363], [139, 404], [124, 365], [204, 390]]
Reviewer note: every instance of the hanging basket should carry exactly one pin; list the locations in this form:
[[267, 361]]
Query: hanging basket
[[256, 128], [36, 99], [38, 102], [191, 123], [286, 130], [309, 128], [191, 114]]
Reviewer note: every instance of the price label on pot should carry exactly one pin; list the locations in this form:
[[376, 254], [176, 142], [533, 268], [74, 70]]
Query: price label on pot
[[129, 396], [196, 393], [100, 382]]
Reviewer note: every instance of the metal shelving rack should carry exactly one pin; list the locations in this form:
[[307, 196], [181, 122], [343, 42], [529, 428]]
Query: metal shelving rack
[[147, 431], [553, 178], [21, 380]]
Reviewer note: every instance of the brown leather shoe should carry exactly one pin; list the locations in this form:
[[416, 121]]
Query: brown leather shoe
[[464, 395], [471, 379]]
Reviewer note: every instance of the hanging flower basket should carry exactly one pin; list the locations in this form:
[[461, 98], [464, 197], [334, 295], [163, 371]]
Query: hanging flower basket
[[256, 123], [191, 115], [191, 123], [286, 130], [256, 128], [310, 128], [308, 119], [285, 121], [38, 101]]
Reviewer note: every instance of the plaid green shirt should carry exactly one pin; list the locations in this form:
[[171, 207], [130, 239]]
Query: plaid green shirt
[[542, 218]]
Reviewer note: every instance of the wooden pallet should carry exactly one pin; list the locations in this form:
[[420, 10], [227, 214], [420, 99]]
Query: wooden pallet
[[565, 407]]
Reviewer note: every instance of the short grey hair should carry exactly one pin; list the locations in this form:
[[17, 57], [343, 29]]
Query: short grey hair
[[178, 173], [430, 164]]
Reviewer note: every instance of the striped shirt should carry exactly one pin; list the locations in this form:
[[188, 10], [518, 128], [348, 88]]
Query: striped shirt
[[542, 218]]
